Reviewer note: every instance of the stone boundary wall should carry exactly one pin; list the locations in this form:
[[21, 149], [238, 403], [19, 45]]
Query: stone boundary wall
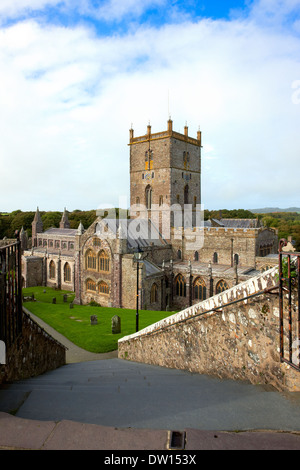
[[238, 341], [34, 353]]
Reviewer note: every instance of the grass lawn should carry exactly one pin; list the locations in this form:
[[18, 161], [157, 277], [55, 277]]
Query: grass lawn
[[75, 323]]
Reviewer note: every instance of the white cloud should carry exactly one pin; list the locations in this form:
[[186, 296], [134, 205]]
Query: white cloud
[[68, 99], [14, 8], [117, 9]]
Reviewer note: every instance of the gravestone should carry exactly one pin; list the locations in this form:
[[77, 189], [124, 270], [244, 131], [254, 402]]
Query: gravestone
[[54, 300], [71, 305], [94, 320], [116, 325], [65, 297]]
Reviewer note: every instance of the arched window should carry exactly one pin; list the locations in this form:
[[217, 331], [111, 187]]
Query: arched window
[[221, 286], [149, 160], [215, 258], [148, 197], [104, 264], [103, 288], [179, 254], [161, 200], [186, 194], [180, 286], [90, 260], [52, 270], [154, 294], [199, 289], [90, 285], [196, 256], [67, 273]]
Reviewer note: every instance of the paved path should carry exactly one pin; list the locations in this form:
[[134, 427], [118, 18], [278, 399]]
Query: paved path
[[74, 354], [114, 404]]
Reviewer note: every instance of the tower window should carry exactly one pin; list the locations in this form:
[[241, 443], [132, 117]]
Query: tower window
[[186, 194], [161, 200], [215, 258], [148, 197], [148, 160]]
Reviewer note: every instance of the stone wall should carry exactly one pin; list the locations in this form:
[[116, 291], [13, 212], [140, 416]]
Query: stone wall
[[238, 341], [34, 353]]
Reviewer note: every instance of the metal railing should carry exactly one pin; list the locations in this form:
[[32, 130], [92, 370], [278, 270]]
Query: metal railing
[[289, 305], [10, 292]]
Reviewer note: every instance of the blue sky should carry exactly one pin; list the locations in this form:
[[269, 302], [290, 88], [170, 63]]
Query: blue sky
[[75, 74]]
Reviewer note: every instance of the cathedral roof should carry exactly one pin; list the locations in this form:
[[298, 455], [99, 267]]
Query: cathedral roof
[[67, 232], [235, 223], [138, 232]]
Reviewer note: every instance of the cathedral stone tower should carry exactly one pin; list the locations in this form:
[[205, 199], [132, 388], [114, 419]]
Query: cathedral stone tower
[[165, 173]]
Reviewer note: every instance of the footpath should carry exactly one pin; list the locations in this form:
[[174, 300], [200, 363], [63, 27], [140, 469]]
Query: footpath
[[100, 402]]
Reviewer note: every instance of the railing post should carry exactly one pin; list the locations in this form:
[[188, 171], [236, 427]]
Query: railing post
[[281, 244], [19, 284]]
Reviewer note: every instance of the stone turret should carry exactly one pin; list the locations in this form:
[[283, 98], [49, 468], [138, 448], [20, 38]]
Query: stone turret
[[64, 223], [37, 227]]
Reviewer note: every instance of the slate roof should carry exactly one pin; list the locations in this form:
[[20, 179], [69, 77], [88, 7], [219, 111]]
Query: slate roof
[[67, 232], [236, 223], [138, 232]]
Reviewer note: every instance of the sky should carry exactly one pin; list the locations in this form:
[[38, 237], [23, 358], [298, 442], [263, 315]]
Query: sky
[[75, 76]]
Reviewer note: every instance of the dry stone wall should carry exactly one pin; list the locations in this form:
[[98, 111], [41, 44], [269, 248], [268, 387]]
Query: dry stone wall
[[34, 353], [239, 341]]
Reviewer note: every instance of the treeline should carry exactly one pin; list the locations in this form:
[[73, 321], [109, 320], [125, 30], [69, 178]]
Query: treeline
[[10, 222], [229, 214], [287, 223], [15, 220]]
